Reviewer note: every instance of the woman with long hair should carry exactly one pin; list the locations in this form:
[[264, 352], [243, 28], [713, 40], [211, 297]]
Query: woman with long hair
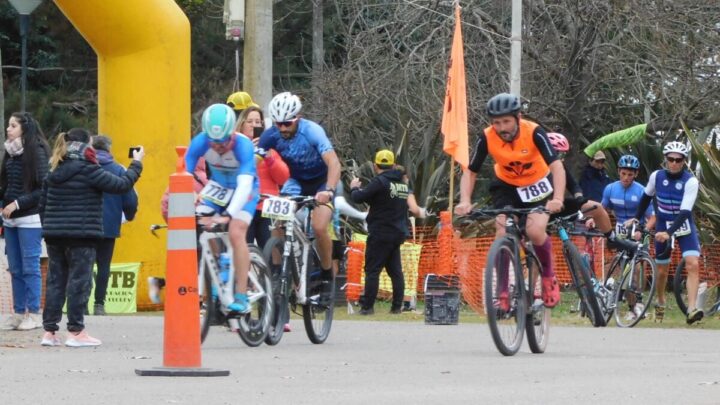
[[71, 207], [24, 168]]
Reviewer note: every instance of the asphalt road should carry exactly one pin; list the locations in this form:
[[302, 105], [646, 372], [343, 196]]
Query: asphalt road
[[368, 362]]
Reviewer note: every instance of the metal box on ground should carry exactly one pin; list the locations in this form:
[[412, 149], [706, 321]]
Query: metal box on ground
[[442, 299]]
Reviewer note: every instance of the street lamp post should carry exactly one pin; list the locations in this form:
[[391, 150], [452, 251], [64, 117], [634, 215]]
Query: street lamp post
[[24, 8]]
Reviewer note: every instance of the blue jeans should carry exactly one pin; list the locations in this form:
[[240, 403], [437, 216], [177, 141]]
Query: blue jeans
[[22, 247]]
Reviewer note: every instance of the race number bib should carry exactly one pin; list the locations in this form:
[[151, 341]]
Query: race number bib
[[535, 192], [683, 230], [278, 208], [217, 194], [621, 231]]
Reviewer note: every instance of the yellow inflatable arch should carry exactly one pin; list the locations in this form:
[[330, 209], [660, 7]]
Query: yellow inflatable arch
[[143, 53]]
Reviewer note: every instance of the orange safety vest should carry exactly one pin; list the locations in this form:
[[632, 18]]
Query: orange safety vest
[[519, 163]]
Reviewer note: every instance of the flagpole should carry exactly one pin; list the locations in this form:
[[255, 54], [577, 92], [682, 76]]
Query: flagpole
[[452, 183]]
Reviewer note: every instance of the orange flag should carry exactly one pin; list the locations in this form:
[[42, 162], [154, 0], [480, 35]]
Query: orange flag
[[454, 120]]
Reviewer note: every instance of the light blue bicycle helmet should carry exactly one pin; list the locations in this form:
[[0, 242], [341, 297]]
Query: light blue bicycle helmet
[[218, 122], [628, 162]]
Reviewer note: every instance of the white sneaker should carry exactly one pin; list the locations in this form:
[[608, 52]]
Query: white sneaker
[[82, 339], [12, 322], [638, 309], [630, 316], [51, 339], [31, 321]]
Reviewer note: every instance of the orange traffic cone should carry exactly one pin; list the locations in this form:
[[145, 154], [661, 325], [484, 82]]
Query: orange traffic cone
[[181, 344]]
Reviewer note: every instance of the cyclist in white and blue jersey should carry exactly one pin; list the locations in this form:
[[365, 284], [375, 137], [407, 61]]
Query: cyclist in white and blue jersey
[[233, 186], [314, 168], [623, 196], [673, 191]]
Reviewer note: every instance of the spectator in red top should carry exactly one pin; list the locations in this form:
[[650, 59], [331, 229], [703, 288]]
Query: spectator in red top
[[271, 169]]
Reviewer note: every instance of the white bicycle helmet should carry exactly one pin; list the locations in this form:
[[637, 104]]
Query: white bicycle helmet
[[218, 122], [284, 107], [676, 147]]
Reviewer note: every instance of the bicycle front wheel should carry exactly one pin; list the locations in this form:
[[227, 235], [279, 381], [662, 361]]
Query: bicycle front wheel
[[208, 301], [505, 299], [583, 284], [273, 255], [318, 314], [537, 324], [254, 326], [635, 290]]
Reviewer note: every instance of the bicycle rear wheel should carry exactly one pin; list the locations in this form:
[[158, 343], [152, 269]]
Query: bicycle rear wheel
[[584, 284], [254, 326], [273, 254], [708, 299], [318, 314], [505, 300], [537, 324], [635, 291]]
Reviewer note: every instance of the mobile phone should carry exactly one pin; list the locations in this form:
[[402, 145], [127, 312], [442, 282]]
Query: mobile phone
[[130, 151], [257, 131]]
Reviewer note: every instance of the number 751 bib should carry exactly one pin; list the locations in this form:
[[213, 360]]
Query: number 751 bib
[[535, 192]]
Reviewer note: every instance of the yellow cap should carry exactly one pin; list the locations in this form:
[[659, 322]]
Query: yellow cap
[[384, 158], [240, 100]]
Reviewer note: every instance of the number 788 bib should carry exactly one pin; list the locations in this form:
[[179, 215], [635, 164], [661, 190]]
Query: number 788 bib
[[535, 192]]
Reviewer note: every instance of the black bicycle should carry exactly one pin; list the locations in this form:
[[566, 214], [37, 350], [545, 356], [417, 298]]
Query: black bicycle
[[295, 268], [588, 288], [513, 286]]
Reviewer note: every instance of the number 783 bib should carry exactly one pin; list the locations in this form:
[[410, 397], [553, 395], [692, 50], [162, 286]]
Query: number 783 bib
[[535, 192]]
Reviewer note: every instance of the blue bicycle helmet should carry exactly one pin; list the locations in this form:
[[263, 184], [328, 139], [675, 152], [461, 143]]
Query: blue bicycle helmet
[[218, 122], [628, 162]]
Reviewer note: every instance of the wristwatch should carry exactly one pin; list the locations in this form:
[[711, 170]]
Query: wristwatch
[[332, 190]]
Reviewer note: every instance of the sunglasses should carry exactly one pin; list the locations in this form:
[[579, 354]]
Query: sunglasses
[[674, 160], [285, 123]]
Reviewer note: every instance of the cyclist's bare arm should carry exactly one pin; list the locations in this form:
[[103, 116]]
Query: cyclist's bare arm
[[467, 185]]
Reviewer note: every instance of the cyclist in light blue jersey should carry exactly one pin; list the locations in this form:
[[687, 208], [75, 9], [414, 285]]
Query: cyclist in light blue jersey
[[674, 191], [233, 186], [623, 196], [314, 168]]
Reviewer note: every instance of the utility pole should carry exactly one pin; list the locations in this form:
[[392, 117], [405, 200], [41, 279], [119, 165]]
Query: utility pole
[[318, 54], [516, 48], [257, 56]]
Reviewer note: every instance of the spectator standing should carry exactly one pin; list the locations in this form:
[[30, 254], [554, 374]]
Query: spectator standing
[[271, 169], [239, 102], [594, 178], [71, 208], [116, 208], [23, 170], [386, 194]]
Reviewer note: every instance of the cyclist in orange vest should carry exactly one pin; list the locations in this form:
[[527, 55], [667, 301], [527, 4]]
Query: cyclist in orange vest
[[528, 174]]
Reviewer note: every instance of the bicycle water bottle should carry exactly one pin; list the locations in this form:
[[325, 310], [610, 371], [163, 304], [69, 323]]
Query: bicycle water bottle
[[610, 283], [224, 263]]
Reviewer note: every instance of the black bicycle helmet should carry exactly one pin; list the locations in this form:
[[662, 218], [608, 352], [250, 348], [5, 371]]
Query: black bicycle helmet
[[503, 104]]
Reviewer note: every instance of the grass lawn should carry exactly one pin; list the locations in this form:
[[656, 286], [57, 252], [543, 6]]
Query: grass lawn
[[561, 315]]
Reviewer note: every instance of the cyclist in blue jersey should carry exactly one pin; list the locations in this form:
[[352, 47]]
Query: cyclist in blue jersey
[[673, 191], [233, 186], [314, 168], [623, 196]]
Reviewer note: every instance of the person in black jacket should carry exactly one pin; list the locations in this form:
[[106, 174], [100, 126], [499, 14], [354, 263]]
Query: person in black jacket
[[23, 170], [71, 209], [116, 209], [386, 194]]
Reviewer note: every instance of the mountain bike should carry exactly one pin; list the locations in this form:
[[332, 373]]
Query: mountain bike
[[630, 280], [295, 268], [583, 277], [213, 241], [708, 295], [513, 286]]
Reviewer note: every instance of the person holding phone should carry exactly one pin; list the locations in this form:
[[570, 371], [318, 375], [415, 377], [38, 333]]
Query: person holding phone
[[271, 169], [116, 208], [71, 210]]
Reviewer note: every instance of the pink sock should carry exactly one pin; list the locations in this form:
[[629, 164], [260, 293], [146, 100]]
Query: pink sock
[[544, 254]]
